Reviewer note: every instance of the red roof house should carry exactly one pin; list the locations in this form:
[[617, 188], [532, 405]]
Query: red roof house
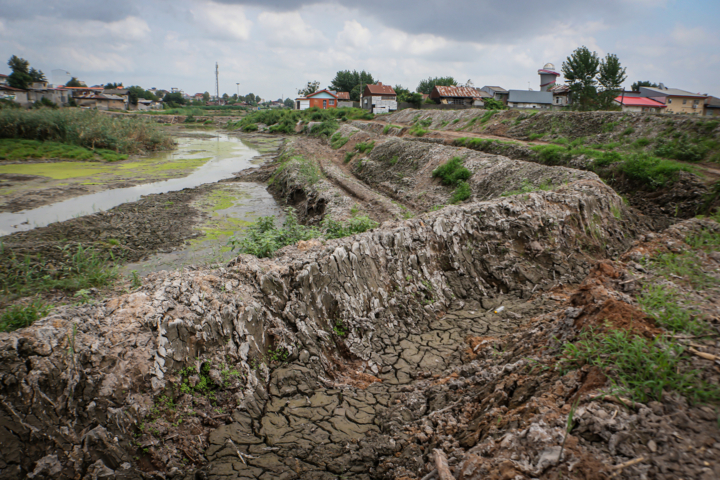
[[639, 104]]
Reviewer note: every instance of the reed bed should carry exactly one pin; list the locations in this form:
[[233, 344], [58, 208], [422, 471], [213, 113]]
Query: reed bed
[[85, 128]]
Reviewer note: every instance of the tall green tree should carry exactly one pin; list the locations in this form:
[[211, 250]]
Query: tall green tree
[[611, 77], [347, 81], [112, 85], [37, 75], [289, 103], [580, 71], [310, 88], [426, 86], [642, 83], [206, 97], [142, 93], [74, 82], [173, 99], [20, 76]]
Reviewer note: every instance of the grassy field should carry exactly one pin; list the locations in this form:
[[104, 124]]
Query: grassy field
[[18, 149]]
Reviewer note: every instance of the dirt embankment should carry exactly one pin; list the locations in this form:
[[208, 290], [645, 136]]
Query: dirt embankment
[[684, 197], [359, 357]]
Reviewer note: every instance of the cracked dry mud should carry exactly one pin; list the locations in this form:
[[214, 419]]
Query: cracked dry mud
[[308, 430]]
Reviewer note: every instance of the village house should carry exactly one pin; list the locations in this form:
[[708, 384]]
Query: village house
[[712, 107], [322, 99], [639, 104], [676, 100], [498, 93], [39, 90], [104, 101], [13, 94], [561, 95], [458, 95], [379, 98], [529, 99], [3, 79]]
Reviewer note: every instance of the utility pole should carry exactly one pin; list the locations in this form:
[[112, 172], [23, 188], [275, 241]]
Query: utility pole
[[217, 85], [238, 87]]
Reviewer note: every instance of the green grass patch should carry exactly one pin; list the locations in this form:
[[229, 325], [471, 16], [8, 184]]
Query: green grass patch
[[527, 187], [19, 149], [652, 171], [685, 265], [349, 156], [264, 238], [535, 136], [641, 369], [75, 269], [21, 316], [325, 129], [389, 126], [664, 304], [683, 149], [461, 193], [250, 127], [365, 147], [338, 141]]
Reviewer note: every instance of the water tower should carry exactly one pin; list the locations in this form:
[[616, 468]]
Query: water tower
[[548, 76]]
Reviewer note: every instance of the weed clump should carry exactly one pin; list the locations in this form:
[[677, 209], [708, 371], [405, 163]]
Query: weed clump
[[263, 238], [21, 316], [639, 368], [454, 173], [338, 141]]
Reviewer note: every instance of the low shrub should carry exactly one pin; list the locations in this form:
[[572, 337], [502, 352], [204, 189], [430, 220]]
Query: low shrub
[[452, 172], [462, 192], [325, 129], [335, 229], [681, 149], [651, 171], [250, 127]]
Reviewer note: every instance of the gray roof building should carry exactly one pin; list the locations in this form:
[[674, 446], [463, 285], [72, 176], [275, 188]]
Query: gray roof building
[[667, 92], [529, 96]]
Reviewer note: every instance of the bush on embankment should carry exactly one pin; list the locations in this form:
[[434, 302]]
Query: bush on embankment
[[85, 128]]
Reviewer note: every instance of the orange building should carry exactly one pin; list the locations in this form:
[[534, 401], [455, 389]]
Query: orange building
[[322, 99]]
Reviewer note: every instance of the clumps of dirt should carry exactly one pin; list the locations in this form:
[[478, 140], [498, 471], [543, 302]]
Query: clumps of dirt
[[604, 306]]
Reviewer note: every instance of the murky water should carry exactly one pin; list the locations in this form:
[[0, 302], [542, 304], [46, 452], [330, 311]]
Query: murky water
[[228, 155]]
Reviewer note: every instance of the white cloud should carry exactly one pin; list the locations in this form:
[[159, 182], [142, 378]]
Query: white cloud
[[354, 35], [228, 21], [130, 28], [690, 37], [288, 29]]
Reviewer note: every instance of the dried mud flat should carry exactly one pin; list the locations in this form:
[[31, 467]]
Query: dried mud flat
[[429, 347]]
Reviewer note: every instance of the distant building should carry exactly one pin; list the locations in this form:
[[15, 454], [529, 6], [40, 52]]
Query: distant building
[[498, 93], [529, 99], [712, 107], [676, 100], [561, 95], [3, 79], [379, 98], [458, 95], [343, 96], [322, 99], [13, 94], [548, 77], [639, 104], [39, 90]]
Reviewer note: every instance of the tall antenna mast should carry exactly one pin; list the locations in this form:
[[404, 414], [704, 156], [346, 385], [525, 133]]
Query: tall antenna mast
[[217, 85]]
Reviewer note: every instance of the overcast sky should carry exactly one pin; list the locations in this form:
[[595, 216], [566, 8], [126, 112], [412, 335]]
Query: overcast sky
[[273, 47]]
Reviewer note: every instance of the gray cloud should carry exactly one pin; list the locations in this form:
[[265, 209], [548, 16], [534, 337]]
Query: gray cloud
[[486, 21], [101, 10]]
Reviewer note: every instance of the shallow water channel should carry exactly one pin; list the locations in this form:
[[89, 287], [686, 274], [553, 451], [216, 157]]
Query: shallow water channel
[[227, 155]]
